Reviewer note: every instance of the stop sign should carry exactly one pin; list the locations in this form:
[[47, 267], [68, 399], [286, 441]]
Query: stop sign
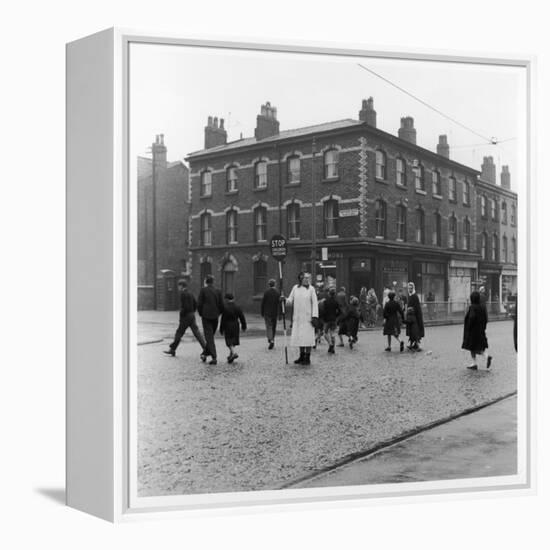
[[278, 247]]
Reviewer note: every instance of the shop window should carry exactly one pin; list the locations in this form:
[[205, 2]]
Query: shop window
[[293, 170], [380, 165], [260, 175], [260, 224], [380, 216], [401, 222], [231, 226], [293, 220], [401, 173], [330, 160], [206, 229], [331, 218], [260, 276]]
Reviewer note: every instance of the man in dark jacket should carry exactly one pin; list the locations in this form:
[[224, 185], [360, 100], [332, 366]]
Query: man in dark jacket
[[269, 310], [210, 307], [414, 302], [188, 306]]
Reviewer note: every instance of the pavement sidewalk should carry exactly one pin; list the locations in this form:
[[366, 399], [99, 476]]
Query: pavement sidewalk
[[155, 326], [479, 444]]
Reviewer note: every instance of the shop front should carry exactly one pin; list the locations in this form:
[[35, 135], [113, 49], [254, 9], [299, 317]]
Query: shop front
[[509, 288], [462, 280]]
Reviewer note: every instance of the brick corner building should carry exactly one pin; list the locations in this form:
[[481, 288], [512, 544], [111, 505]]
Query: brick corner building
[[386, 210]]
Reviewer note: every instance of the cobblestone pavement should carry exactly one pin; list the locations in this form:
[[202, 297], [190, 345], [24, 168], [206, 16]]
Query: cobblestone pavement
[[258, 424]]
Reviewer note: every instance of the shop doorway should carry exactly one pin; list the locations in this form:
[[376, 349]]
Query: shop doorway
[[361, 275]]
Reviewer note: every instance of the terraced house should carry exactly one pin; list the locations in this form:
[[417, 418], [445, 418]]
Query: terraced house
[[358, 205]]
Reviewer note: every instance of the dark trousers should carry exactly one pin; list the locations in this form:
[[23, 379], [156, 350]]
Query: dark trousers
[[209, 327], [187, 321], [270, 327]]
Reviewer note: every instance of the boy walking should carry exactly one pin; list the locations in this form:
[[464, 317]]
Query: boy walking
[[229, 326]]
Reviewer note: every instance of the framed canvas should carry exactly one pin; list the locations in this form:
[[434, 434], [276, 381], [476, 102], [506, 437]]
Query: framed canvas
[[300, 266]]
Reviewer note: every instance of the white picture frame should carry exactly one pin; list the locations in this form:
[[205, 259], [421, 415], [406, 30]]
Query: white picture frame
[[101, 408]]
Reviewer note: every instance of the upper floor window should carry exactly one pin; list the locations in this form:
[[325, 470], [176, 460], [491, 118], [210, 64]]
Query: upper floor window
[[466, 234], [419, 183], [494, 215], [452, 232], [293, 220], [401, 171], [293, 170], [401, 222], [206, 184], [494, 248], [380, 165], [466, 192], [504, 213], [505, 249], [380, 217], [436, 183], [452, 188], [260, 224], [484, 246], [420, 226], [231, 179], [436, 234], [331, 218], [231, 226], [331, 164], [206, 229], [483, 206], [514, 251], [513, 220], [260, 175]]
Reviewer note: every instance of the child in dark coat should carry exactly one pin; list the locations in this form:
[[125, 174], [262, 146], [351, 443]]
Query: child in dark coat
[[229, 326], [350, 322], [393, 315], [413, 330]]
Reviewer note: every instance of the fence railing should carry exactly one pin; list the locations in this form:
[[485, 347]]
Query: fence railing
[[441, 311]]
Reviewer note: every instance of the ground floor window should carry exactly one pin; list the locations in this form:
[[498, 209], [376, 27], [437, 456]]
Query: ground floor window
[[206, 269], [260, 276]]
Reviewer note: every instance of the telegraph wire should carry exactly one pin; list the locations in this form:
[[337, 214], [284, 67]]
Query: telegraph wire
[[489, 141]]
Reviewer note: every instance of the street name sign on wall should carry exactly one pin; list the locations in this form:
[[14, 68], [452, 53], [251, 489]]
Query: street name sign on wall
[[278, 247], [349, 213]]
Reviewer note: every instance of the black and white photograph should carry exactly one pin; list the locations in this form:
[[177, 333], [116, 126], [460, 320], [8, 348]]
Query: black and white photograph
[[326, 254]]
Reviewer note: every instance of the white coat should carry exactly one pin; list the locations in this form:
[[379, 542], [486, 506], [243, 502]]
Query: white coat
[[304, 307]]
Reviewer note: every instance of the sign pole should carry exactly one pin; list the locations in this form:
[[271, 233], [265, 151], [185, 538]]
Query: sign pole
[[283, 308], [279, 252]]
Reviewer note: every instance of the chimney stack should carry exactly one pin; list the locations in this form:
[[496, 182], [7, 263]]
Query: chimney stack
[[267, 124], [407, 130], [367, 113], [505, 178], [214, 135], [488, 170], [443, 146], [159, 151]]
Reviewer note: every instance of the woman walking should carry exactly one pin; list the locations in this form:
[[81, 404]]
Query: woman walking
[[372, 302], [229, 326], [475, 323], [393, 317]]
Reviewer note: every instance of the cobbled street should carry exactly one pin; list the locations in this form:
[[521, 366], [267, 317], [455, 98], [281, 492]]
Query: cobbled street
[[260, 424]]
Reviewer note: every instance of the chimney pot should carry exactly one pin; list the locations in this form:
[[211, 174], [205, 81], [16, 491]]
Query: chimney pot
[[214, 135], [443, 146], [267, 124], [407, 130], [367, 113]]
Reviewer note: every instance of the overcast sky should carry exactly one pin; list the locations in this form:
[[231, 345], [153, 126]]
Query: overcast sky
[[173, 90]]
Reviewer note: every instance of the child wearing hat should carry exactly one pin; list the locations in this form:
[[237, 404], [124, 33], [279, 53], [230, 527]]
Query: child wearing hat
[[229, 326]]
